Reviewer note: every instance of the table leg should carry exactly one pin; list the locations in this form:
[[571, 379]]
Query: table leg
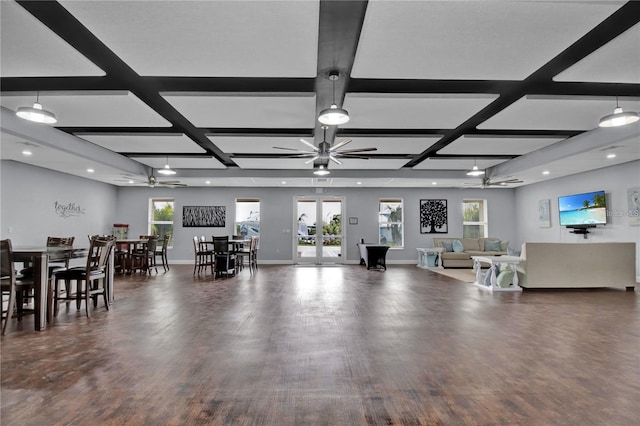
[[41, 284]]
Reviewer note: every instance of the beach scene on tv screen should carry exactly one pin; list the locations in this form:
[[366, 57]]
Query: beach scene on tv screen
[[583, 209]]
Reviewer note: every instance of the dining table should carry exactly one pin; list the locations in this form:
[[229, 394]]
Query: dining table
[[125, 247], [38, 257]]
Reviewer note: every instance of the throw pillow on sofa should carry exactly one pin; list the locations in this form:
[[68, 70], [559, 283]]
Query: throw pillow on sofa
[[504, 245], [446, 245], [492, 245], [457, 246]]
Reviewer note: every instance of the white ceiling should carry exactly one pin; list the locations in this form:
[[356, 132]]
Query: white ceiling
[[213, 87]]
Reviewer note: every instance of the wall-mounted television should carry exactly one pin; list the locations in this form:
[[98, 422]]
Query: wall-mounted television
[[583, 210]]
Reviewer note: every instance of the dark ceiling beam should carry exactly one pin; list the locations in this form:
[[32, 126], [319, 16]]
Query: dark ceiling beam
[[243, 85], [617, 23], [338, 35], [60, 84], [65, 25]]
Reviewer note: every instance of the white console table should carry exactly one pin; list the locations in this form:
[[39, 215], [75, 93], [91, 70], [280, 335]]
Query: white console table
[[506, 262], [422, 257]]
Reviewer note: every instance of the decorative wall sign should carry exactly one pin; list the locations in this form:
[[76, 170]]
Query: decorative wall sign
[[433, 217], [203, 216], [544, 213], [67, 210]]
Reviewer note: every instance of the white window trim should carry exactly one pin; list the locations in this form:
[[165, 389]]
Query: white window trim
[[392, 200], [151, 222]]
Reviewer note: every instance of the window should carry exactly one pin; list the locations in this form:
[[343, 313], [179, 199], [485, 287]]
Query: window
[[390, 220], [161, 218], [247, 217], [474, 219]]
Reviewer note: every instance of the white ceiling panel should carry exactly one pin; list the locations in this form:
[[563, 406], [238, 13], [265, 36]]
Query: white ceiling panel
[[245, 111], [391, 145], [557, 113], [395, 111], [371, 164], [616, 62], [456, 164], [273, 163], [30, 49], [259, 144], [144, 143], [207, 38], [470, 39], [80, 109], [180, 162], [483, 145]]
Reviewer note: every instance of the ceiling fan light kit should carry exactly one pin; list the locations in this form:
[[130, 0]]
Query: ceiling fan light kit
[[333, 116], [619, 117], [36, 113], [475, 171], [321, 171]]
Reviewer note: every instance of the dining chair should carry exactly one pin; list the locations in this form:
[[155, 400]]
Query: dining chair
[[204, 256], [248, 253], [145, 257], [162, 252], [93, 275], [11, 286], [225, 259]]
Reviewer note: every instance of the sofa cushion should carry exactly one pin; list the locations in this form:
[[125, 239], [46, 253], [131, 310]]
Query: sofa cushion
[[470, 244], [504, 245], [457, 246], [456, 256], [492, 245], [446, 245]]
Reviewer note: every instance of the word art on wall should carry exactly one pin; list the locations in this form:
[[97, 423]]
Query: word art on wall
[[67, 210], [203, 216], [433, 217]]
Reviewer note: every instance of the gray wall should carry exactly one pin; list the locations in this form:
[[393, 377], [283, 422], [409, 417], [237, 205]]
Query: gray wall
[[277, 218], [615, 181], [28, 197]]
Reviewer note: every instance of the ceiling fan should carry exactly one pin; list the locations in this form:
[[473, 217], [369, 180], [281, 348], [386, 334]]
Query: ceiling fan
[[486, 181], [153, 181], [325, 152]]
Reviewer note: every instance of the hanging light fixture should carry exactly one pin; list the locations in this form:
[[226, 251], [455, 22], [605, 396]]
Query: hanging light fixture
[[475, 171], [36, 113], [321, 171], [333, 116], [619, 118], [167, 171]]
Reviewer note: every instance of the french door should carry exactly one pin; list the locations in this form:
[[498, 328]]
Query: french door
[[319, 236]]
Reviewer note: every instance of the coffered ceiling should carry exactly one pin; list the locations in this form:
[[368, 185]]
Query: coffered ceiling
[[211, 87]]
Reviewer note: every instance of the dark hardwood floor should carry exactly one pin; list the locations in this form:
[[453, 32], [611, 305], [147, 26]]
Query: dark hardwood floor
[[328, 346]]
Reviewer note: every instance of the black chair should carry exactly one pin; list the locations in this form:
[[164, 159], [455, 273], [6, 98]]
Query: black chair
[[249, 253], [204, 255], [145, 257], [11, 286], [162, 252], [93, 275], [225, 259]]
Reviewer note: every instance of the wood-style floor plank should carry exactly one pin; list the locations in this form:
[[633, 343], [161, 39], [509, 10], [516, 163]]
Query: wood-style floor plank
[[327, 346]]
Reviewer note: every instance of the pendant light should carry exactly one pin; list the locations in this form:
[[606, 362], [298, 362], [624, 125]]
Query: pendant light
[[167, 171], [475, 171], [321, 171], [619, 118], [333, 116], [36, 113]]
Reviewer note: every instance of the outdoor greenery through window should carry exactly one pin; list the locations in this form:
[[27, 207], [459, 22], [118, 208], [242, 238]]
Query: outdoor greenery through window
[[474, 219], [161, 218], [247, 218], [390, 219]]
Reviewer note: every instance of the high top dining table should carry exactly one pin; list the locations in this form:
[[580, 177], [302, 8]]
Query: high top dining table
[[39, 256]]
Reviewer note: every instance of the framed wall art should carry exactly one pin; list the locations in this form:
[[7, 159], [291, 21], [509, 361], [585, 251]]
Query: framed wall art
[[433, 217], [203, 216], [544, 213]]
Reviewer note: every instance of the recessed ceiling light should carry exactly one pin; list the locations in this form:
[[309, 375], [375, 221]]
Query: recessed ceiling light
[[358, 183], [207, 182], [611, 156], [546, 172], [434, 183], [130, 181], [90, 170], [27, 153], [284, 182]]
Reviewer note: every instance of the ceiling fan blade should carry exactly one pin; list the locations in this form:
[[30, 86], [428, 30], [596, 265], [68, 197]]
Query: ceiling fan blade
[[354, 156], [312, 160], [291, 149], [355, 150], [315, 148], [339, 144], [335, 160], [169, 182]]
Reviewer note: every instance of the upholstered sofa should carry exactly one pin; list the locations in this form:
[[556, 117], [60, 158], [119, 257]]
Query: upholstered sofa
[[577, 265], [453, 257]]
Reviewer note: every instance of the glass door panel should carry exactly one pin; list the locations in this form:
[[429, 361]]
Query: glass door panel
[[319, 236]]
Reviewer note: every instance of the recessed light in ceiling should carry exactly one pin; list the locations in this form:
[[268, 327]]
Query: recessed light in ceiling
[[130, 181], [27, 153], [208, 182], [546, 172], [90, 170], [434, 183], [284, 182], [610, 156], [358, 183]]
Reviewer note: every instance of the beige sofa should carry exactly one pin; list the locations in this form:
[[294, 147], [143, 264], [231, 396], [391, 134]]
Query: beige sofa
[[577, 265], [471, 247]]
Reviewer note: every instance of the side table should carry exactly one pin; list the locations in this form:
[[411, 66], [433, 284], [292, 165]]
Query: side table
[[504, 262], [423, 261]]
